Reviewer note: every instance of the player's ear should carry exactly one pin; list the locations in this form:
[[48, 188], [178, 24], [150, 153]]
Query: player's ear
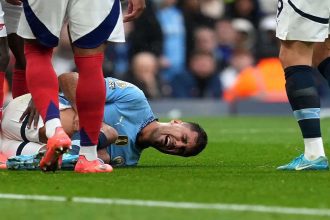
[[176, 121]]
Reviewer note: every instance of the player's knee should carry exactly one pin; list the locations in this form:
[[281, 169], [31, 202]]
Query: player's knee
[[294, 53], [107, 136], [110, 133]]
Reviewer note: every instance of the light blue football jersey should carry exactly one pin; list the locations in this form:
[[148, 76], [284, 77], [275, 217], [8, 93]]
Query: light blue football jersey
[[127, 110]]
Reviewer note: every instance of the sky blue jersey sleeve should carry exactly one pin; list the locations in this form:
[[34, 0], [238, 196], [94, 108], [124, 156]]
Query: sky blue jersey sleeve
[[118, 91]]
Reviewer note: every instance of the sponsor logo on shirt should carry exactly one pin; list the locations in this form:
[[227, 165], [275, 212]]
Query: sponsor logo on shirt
[[121, 140]]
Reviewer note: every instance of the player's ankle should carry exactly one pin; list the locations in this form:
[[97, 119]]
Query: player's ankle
[[89, 152]]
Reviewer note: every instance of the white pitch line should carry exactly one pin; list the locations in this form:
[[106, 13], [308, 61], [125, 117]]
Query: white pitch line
[[33, 197], [176, 205]]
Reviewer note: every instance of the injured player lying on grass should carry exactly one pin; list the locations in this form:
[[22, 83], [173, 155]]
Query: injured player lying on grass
[[129, 126]]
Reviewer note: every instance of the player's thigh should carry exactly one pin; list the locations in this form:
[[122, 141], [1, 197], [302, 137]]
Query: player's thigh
[[303, 20], [11, 126], [43, 20], [11, 148], [91, 23]]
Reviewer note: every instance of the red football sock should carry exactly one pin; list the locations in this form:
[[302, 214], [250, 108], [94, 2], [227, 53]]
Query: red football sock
[[2, 79], [19, 86], [90, 97], [41, 80]]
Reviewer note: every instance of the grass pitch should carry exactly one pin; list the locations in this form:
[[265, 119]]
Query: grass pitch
[[237, 167]]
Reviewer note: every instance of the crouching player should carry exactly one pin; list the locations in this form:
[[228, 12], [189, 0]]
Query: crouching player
[[129, 126]]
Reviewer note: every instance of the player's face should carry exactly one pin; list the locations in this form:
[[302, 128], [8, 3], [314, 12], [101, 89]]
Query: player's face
[[175, 138]]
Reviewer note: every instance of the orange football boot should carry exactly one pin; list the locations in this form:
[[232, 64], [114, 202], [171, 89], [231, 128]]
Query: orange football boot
[[57, 145], [96, 166], [3, 161]]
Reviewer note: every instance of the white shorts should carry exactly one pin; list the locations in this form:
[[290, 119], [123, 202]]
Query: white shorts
[[12, 128], [91, 22], [16, 138], [3, 31], [303, 20], [15, 148], [12, 16]]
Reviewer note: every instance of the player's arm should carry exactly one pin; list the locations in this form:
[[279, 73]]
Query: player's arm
[[135, 9], [68, 84]]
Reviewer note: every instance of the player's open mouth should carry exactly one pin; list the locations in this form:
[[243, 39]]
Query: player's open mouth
[[167, 141]]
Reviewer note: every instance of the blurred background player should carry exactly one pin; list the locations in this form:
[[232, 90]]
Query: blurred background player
[[299, 25], [4, 56], [123, 136], [89, 32], [13, 10]]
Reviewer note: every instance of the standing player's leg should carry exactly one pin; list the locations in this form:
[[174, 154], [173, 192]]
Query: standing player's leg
[[89, 38], [41, 29], [299, 25], [304, 99], [16, 45], [90, 111]]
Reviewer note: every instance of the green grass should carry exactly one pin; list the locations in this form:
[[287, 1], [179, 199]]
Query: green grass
[[238, 166]]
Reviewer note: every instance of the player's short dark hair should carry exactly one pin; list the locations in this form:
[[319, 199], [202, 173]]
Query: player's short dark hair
[[201, 139]]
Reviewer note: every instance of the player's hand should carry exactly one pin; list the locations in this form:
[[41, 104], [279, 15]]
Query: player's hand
[[134, 10], [33, 115], [14, 2]]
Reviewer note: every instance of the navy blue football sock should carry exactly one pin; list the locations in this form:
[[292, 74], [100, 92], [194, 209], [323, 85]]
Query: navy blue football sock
[[324, 68], [304, 99]]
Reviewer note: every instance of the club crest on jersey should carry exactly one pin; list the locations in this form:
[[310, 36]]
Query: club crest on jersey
[[112, 85], [121, 84], [2, 26], [121, 140]]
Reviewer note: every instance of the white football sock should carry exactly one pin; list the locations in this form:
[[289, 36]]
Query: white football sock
[[313, 148], [51, 126], [89, 152]]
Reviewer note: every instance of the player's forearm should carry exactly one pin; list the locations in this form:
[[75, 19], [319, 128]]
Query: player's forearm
[[68, 84]]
